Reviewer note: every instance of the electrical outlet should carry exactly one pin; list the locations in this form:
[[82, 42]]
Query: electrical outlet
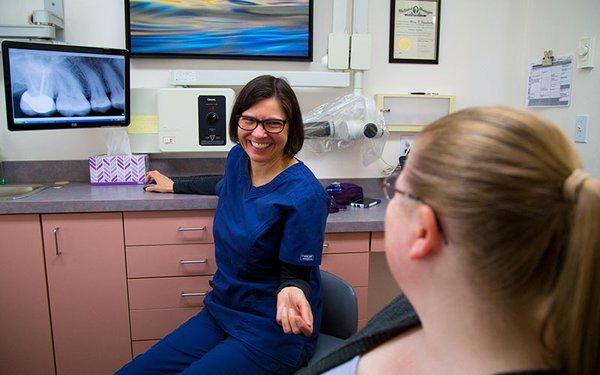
[[581, 128]]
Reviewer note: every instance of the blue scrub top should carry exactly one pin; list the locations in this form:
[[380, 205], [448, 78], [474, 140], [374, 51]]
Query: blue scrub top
[[254, 229]]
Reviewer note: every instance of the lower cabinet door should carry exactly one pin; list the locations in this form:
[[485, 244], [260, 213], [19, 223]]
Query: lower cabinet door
[[87, 285], [352, 267], [25, 336]]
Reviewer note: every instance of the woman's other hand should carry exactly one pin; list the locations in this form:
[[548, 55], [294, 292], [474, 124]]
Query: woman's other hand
[[293, 311], [163, 183]]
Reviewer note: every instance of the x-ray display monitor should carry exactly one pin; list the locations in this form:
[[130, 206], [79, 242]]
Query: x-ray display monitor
[[52, 86]]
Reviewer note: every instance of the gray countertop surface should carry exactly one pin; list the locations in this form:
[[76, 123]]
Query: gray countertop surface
[[82, 197]]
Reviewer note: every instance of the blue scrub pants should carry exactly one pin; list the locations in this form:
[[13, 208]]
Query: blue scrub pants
[[200, 346]]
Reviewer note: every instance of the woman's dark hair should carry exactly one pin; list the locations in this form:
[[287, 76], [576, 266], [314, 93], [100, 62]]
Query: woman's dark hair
[[266, 87]]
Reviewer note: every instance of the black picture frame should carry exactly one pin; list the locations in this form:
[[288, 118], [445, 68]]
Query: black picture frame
[[308, 57], [413, 9]]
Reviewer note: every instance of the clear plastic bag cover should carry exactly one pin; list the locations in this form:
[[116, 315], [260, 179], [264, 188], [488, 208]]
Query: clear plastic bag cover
[[345, 122]]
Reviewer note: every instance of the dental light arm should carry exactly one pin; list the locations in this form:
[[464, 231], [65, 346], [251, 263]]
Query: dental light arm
[[345, 122], [344, 130]]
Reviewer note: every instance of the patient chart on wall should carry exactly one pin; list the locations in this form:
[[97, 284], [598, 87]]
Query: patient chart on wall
[[550, 86]]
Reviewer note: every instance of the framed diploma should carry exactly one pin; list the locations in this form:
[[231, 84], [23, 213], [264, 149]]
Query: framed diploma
[[414, 31]]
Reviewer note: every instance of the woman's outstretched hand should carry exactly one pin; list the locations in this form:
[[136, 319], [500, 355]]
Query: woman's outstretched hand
[[163, 183], [294, 314]]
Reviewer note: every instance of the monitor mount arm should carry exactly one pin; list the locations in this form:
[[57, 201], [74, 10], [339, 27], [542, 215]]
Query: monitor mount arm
[[44, 23]]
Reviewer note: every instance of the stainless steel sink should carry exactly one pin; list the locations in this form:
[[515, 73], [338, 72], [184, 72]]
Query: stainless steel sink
[[8, 192]]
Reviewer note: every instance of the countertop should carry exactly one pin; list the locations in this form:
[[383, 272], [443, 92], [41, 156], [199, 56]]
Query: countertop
[[82, 197]]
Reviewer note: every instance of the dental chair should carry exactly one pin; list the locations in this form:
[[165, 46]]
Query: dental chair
[[340, 315]]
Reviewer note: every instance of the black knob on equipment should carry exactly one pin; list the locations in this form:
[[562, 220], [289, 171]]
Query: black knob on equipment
[[212, 117]]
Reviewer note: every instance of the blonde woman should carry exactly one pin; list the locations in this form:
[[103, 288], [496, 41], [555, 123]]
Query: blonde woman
[[493, 235]]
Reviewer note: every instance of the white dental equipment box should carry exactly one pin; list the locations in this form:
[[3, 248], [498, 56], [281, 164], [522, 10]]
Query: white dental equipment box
[[194, 119]]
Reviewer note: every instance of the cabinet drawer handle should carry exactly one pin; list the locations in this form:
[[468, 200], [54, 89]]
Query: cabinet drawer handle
[[196, 294], [58, 252], [193, 261], [326, 244], [190, 229]]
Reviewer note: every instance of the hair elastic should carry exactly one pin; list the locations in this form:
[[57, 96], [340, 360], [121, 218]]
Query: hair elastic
[[573, 184]]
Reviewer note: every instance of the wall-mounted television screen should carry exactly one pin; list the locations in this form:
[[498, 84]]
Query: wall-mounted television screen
[[52, 86], [222, 29]]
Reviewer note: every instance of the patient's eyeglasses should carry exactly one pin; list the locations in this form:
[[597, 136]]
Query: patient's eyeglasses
[[390, 189]]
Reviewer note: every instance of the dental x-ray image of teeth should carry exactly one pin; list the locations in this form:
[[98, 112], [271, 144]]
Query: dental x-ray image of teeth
[[49, 84]]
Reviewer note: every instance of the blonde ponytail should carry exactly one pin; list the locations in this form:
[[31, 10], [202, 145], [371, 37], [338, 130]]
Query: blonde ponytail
[[574, 319], [507, 187]]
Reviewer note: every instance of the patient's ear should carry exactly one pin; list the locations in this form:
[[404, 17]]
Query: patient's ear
[[427, 235]]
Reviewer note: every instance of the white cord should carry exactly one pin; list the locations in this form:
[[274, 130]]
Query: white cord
[[388, 169]]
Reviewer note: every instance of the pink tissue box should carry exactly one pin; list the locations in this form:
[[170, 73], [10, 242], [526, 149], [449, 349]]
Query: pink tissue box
[[118, 169]]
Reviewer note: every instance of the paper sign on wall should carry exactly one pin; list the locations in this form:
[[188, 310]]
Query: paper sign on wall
[[550, 86]]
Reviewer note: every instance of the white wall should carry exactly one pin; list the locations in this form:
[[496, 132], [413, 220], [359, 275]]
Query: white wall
[[485, 46], [480, 47], [14, 12], [558, 25], [101, 23]]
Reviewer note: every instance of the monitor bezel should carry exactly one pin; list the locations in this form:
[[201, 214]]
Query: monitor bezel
[[307, 58], [10, 44]]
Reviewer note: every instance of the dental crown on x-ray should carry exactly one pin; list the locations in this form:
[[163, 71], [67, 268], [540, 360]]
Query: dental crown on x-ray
[[69, 85]]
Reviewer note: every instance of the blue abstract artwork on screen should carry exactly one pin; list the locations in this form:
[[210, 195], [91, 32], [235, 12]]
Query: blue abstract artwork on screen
[[271, 29]]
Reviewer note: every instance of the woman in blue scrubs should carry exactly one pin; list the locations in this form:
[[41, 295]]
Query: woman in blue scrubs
[[264, 311]]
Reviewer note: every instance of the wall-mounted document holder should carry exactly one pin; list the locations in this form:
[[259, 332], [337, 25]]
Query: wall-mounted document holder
[[412, 112]]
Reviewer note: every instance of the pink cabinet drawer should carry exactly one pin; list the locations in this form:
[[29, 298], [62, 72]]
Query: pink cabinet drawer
[[377, 241], [168, 227], [155, 324], [140, 347], [169, 292], [346, 243], [170, 260], [361, 296], [353, 267]]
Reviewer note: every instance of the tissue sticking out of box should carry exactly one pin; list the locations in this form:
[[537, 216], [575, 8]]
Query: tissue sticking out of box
[[118, 166], [117, 141]]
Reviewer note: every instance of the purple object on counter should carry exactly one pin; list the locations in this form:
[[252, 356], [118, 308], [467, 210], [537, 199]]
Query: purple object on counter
[[118, 169], [348, 193]]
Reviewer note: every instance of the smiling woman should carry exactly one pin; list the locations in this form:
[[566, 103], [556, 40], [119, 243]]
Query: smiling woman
[[264, 312], [264, 148], [282, 104]]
